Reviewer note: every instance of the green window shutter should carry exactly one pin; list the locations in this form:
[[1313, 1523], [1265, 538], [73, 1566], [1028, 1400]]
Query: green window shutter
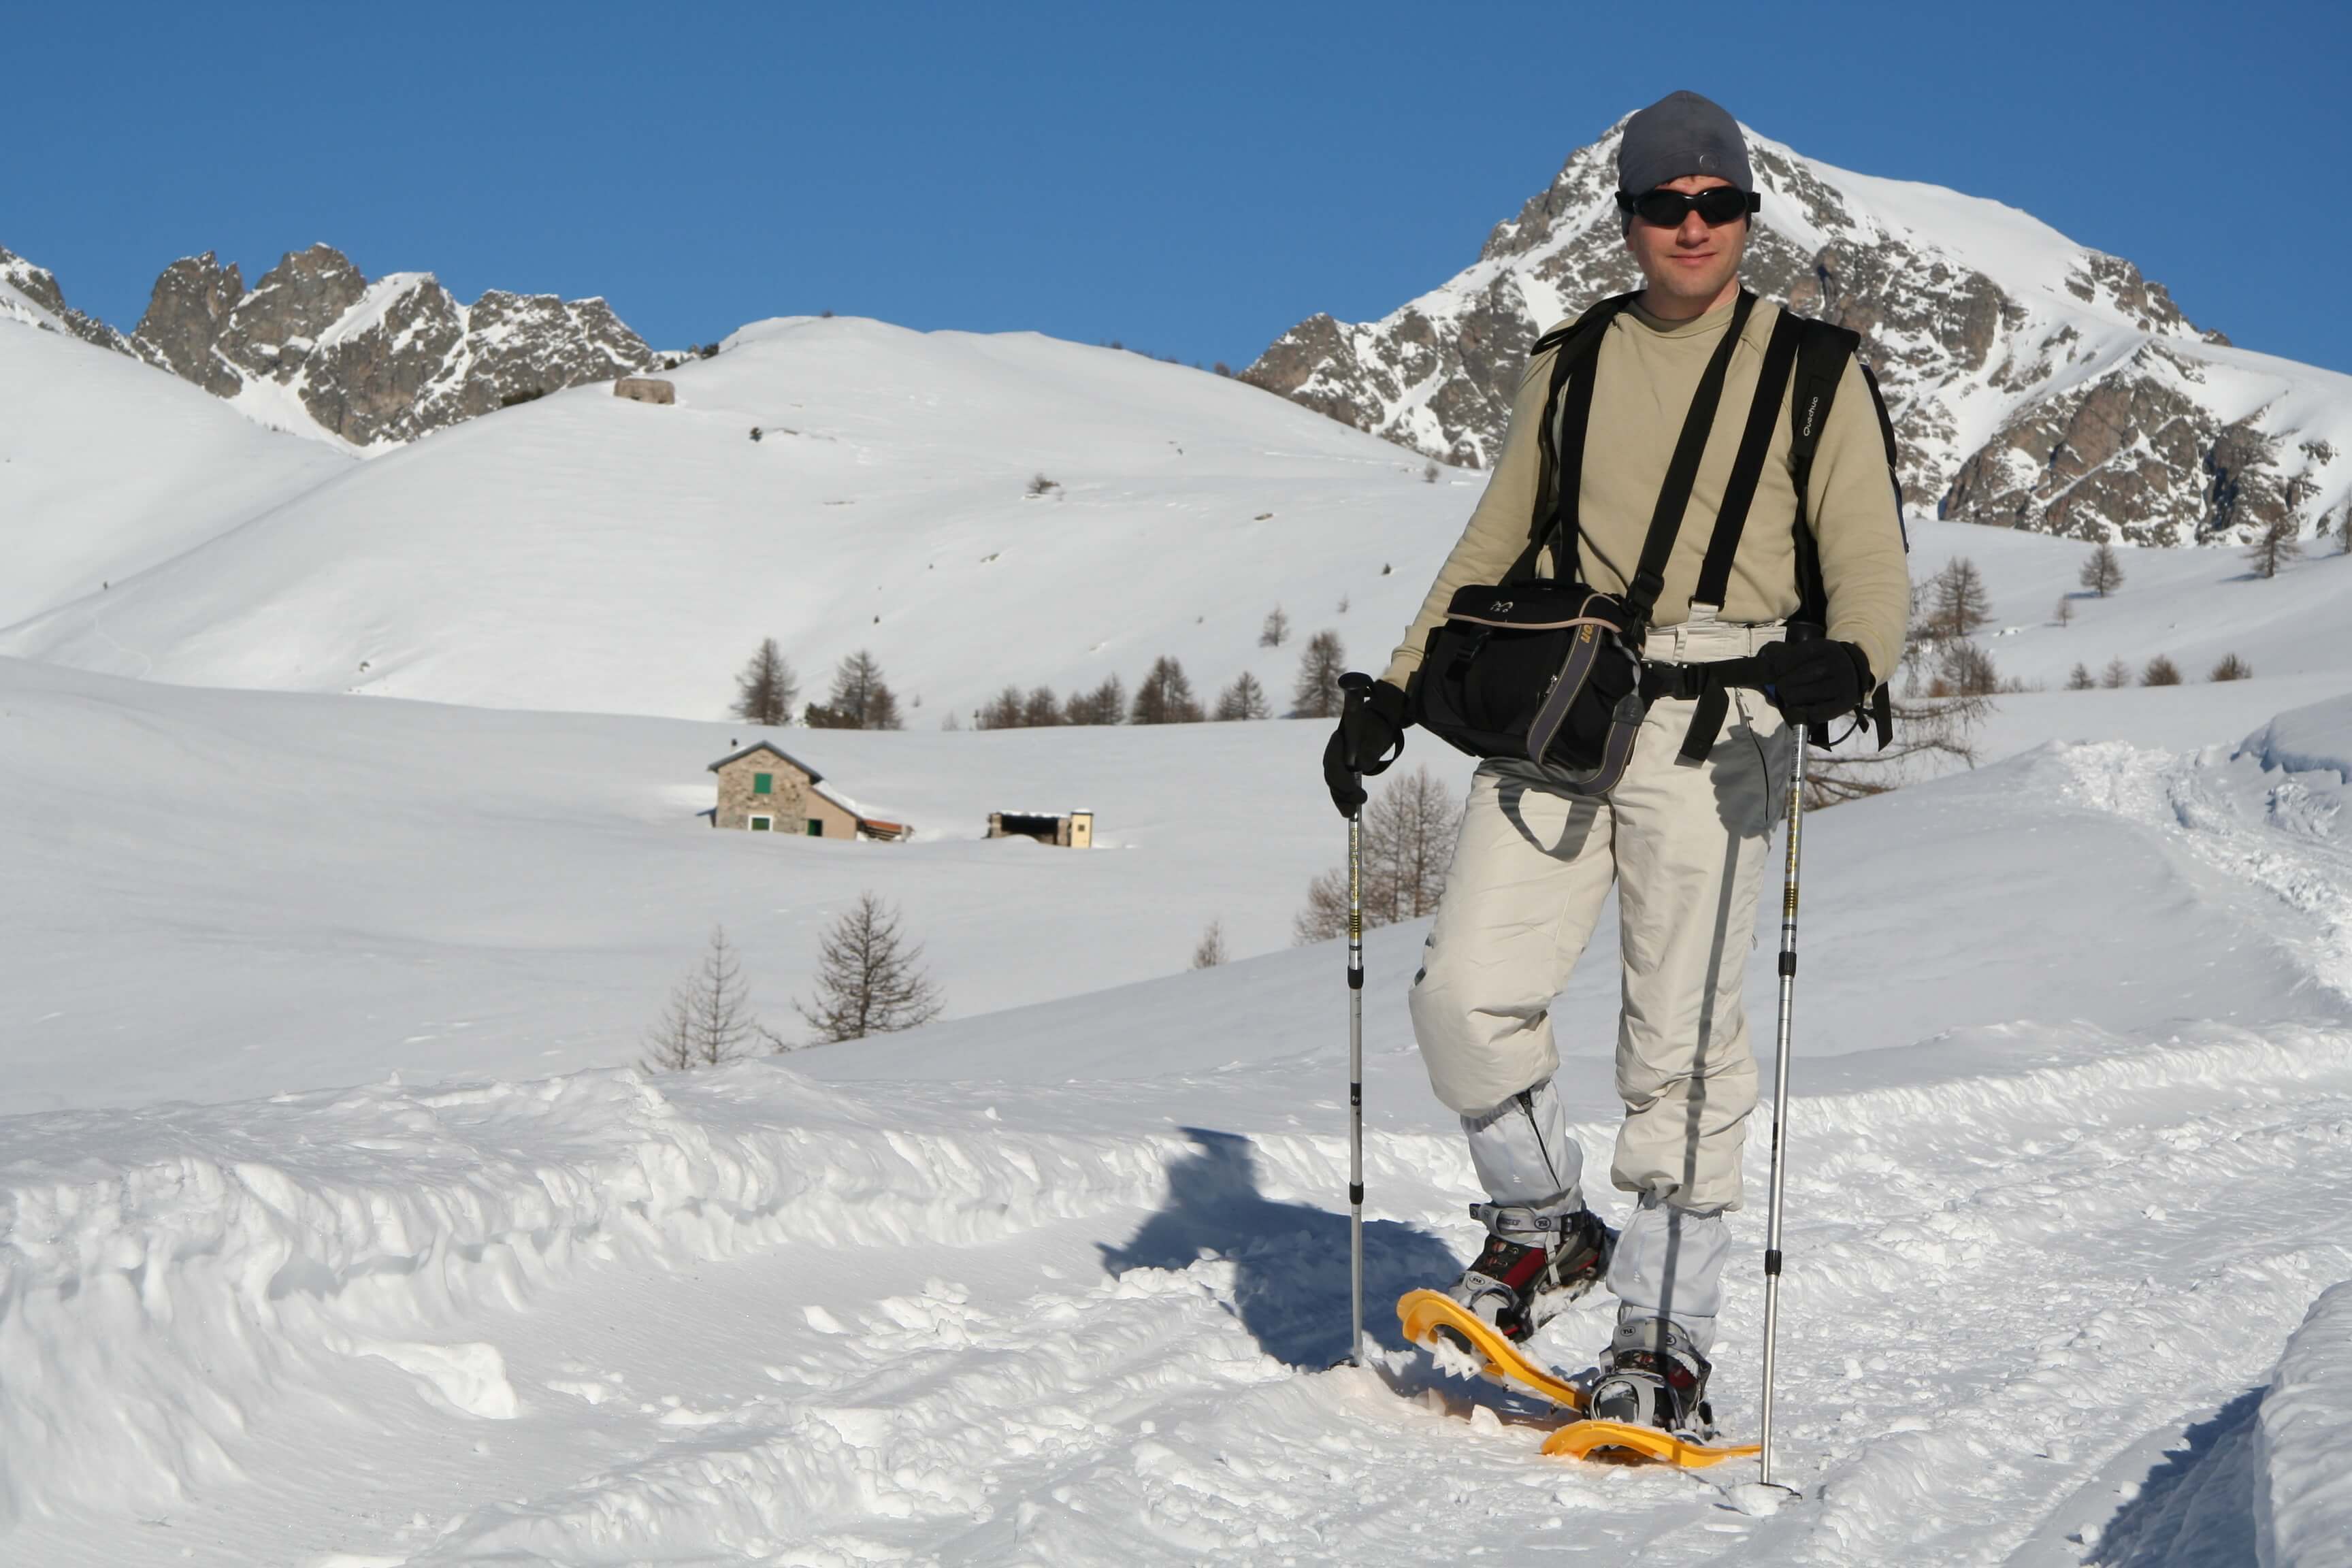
[[816, 828], [760, 824], [763, 783]]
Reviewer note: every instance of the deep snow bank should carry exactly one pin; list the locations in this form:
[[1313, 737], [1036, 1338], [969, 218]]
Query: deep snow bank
[[2303, 1494], [168, 1278]]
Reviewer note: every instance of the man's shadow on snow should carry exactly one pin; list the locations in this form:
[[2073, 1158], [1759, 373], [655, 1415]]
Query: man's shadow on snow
[[1290, 1260]]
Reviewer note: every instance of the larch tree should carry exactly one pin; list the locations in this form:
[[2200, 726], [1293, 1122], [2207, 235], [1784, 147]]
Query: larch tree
[[2273, 547], [1106, 704], [1041, 709], [870, 979], [1408, 848], [709, 1022], [860, 698], [767, 691], [2103, 571], [1277, 629], [1165, 697], [1244, 698], [1315, 693], [1956, 602], [1003, 712]]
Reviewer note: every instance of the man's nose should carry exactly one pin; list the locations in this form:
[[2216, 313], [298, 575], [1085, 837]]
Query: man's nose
[[1692, 231]]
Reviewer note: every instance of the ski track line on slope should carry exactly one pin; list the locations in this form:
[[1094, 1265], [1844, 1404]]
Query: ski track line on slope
[[878, 1459]]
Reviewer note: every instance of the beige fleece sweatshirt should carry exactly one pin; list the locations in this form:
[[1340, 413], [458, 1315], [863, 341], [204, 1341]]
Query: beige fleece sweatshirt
[[1648, 369]]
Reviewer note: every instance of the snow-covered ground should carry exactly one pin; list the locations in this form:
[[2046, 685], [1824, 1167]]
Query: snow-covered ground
[[1057, 1284]]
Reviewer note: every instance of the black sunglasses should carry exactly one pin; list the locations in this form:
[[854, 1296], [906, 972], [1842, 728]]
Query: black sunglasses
[[1718, 206]]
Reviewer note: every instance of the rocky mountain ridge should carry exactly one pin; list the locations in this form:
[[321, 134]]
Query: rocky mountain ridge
[[2034, 383], [315, 346]]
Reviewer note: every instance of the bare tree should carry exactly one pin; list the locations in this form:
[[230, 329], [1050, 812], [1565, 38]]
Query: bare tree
[[1408, 848], [767, 689], [2117, 674], [1040, 485], [1315, 693], [1106, 704], [2230, 666], [1277, 629], [860, 699], [1409, 836], [2079, 678], [2065, 613], [1429, 473], [1325, 913], [1964, 669], [2273, 547], [1041, 709], [1957, 603], [869, 979], [1244, 698], [1930, 737], [2101, 573], [1003, 712], [1210, 952], [1165, 697], [2159, 672], [709, 1021]]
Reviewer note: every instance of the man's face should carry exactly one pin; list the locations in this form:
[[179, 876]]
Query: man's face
[[1690, 263]]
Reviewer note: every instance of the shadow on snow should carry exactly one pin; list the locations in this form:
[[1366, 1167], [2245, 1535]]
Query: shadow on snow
[[2195, 1508], [1290, 1260]]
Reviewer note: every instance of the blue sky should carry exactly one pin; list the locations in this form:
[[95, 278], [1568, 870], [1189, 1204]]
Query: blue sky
[[1190, 180]]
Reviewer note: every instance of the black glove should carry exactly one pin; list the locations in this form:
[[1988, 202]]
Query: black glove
[[1370, 735], [1814, 682]]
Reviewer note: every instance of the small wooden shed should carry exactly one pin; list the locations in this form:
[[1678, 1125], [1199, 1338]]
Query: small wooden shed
[[645, 389], [1068, 829], [762, 789]]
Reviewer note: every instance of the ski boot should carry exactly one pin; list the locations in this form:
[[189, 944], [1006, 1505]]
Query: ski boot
[[1533, 1266], [1654, 1376]]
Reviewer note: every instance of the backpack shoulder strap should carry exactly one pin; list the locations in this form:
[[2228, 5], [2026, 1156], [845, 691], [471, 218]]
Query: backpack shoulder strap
[[1560, 436], [1821, 355], [1748, 468], [1821, 365]]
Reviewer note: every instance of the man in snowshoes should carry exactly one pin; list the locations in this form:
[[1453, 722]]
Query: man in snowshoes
[[1685, 841]]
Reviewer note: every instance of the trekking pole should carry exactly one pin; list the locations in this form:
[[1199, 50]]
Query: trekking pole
[[1781, 1087], [1355, 683]]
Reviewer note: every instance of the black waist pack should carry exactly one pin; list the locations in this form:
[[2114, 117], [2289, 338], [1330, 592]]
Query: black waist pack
[[1539, 669], [1549, 669]]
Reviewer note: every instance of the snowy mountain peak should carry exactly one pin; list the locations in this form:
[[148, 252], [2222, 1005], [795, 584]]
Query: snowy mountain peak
[[2035, 383], [316, 347], [30, 294]]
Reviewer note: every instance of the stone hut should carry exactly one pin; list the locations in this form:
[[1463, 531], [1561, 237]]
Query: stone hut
[[1068, 829], [763, 790], [645, 389]]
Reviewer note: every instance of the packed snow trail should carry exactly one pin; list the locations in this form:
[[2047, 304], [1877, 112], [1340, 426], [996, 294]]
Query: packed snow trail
[[745, 1317]]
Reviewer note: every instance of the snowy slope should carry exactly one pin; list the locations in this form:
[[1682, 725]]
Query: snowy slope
[[586, 552], [1057, 1286], [108, 469]]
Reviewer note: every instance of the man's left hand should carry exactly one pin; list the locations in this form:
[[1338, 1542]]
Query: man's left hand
[[1814, 682]]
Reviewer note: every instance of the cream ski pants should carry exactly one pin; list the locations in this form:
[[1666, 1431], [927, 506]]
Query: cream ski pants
[[1686, 846]]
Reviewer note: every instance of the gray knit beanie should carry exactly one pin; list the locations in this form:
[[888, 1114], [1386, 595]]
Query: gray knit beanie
[[1682, 134]]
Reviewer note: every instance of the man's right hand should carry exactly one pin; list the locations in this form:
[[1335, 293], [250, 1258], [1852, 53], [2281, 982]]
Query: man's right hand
[[1370, 736]]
